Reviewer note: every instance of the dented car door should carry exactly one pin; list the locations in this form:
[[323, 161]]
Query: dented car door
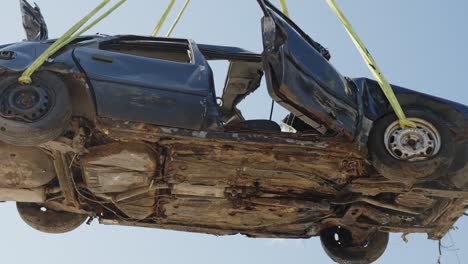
[[158, 81], [300, 78]]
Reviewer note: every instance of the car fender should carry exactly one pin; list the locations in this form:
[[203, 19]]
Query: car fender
[[21, 55]]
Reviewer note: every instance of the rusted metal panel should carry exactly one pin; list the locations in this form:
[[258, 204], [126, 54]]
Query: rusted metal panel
[[240, 181], [445, 222], [331, 146], [414, 200], [115, 168], [373, 188], [65, 178], [241, 166], [139, 209], [288, 203], [24, 167], [37, 195]]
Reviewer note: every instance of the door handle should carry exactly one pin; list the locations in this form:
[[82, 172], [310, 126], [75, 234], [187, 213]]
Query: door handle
[[102, 58]]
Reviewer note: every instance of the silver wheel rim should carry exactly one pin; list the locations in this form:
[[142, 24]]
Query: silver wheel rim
[[412, 144]]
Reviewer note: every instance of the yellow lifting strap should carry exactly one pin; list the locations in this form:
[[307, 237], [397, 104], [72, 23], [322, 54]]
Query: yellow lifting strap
[[179, 16], [284, 7], [68, 37], [386, 88], [162, 20]]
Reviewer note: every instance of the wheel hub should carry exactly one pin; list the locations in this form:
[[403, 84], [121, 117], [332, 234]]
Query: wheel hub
[[25, 102], [412, 144]]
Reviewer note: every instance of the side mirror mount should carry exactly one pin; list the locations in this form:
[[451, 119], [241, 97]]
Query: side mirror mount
[[33, 22]]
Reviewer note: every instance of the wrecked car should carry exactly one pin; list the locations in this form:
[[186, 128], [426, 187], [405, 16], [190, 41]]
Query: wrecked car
[[128, 130]]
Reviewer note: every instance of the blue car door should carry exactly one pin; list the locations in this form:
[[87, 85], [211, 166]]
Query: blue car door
[[158, 81], [301, 79]]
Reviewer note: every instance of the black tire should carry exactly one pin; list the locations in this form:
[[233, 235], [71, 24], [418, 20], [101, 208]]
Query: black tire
[[338, 244], [411, 171], [54, 118], [49, 221]]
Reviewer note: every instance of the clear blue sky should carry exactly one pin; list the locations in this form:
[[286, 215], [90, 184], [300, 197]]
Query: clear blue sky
[[419, 44]]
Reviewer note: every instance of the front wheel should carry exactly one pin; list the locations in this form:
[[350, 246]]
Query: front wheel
[[344, 247], [412, 155], [36, 113]]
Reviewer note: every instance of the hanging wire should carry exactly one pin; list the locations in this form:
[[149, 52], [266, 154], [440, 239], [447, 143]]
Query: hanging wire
[[272, 109], [454, 245]]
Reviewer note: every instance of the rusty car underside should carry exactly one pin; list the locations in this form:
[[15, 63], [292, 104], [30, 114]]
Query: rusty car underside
[[257, 184]]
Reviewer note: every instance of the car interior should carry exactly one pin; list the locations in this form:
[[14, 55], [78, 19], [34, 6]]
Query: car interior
[[152, 49]]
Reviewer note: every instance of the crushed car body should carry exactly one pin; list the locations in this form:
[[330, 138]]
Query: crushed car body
[[128, 130]]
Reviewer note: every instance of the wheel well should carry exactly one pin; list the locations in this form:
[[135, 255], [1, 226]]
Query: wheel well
[[443, 110], [81, 95]]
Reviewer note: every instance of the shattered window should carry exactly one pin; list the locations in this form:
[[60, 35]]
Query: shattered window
[[177, 52]]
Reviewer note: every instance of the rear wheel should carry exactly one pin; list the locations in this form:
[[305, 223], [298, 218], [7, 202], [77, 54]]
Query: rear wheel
[[343, 247], [47, 220], [412, 155], [35, 113]]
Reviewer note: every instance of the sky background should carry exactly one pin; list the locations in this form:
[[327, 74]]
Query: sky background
[[418, 44]]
